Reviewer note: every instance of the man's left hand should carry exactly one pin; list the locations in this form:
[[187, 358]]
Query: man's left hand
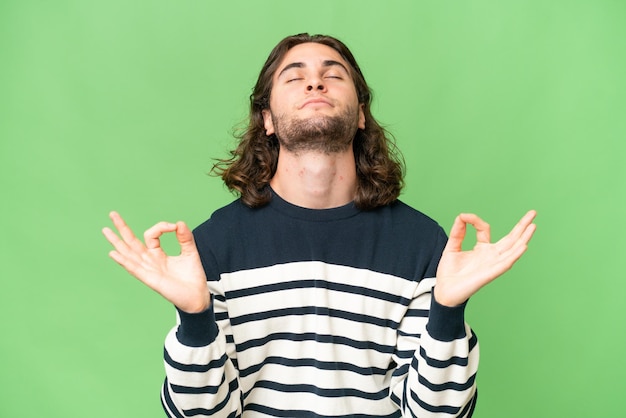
[[462, 273]]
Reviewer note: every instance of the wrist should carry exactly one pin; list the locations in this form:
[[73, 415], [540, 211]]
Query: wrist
[[195, 306], [197, 329], [445, 298], [446, 323]]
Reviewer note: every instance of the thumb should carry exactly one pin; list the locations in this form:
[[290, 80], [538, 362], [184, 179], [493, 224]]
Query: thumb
[[185, 238], [457, 235]]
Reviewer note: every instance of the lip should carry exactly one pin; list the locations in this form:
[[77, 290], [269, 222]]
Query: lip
[[317, 100]]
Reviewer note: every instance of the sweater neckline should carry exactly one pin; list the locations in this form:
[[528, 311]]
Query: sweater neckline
[[314, 215]]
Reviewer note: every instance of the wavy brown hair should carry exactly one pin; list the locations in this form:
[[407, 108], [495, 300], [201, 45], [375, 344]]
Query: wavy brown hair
[[251, 166]]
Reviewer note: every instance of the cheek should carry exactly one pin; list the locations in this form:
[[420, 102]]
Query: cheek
[[282, 100]]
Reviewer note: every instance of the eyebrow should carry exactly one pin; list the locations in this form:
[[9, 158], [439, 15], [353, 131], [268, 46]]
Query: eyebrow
[[326, 63]]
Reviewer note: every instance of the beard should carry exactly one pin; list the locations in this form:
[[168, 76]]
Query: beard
[[321, 133]]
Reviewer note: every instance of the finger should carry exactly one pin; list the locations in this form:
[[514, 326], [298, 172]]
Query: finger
[[519, 231], [126, 233], [120, 259], [529, 233], [523, 223], [185, 238], [129, 264], [114, 240], [123, 254], [152, 235], [512, 254], [525, 237], [457, 235], [483, 230]]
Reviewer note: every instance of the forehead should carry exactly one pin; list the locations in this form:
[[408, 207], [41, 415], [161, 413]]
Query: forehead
[[309, 54]]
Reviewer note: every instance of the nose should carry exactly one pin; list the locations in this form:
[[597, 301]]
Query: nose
[[316, 84]]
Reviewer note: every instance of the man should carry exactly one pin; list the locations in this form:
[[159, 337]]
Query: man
[[318, 293]]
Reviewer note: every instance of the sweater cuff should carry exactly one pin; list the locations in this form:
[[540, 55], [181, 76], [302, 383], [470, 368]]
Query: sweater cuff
[[197, 329], [446, 323]]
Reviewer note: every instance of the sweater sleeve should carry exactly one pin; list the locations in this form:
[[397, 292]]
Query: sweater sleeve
[[437, 357], [436, 354], [201, 378]]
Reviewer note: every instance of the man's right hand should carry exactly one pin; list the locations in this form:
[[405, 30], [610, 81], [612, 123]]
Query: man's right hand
[[179, 279]]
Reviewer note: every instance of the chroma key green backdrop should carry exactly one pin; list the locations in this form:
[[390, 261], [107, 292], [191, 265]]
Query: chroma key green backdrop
[[499, 107]]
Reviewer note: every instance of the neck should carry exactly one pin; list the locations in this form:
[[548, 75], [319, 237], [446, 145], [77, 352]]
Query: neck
[[315, 180]]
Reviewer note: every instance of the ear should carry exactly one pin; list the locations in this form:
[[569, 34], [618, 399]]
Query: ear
[[361, 123], [268, 123]]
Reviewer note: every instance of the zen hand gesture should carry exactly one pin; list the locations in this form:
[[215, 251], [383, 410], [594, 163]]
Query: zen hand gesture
[[462, 273], [179, 279]]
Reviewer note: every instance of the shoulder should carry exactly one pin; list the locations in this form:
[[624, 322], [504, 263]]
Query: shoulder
[[233, 211], [221, 221], [406, 224], [407, 242], [408, 219], [402, 209]]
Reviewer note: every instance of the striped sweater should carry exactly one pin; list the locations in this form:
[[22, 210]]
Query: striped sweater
[[320, 313]]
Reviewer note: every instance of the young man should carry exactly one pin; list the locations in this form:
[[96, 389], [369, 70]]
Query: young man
[[317, 292]]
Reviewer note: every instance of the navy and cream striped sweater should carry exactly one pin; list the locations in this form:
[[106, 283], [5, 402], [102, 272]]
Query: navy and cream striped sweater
[[320, 313]]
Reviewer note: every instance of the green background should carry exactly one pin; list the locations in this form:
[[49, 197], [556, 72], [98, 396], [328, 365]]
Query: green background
[[499, 107]]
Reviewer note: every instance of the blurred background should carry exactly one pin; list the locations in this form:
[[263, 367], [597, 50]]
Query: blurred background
[[498, 107]]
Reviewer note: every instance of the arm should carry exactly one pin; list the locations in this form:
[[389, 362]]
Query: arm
[[201, 379], [438, 378], [437, 356]]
